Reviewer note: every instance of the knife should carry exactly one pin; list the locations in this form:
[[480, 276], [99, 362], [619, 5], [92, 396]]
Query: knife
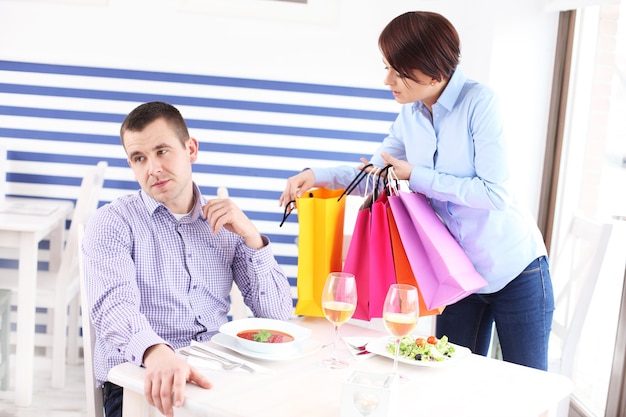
[[207, 352]]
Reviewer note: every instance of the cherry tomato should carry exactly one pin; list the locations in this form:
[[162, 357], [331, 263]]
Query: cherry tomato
[[432, 340], [420, 341]]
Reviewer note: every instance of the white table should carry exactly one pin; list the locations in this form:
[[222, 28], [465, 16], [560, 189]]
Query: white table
[[473, 387], [24, 222]]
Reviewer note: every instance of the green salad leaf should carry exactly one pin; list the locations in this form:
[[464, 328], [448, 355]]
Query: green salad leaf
[[419, 350], [263, 336]]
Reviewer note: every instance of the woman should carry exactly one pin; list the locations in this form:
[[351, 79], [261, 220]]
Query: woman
[[448, 142]]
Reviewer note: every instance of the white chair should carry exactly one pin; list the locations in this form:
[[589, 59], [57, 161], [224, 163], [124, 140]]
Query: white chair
[[93, 391], [238, 309], [5, 312], [58, 291], [3, 171], [574, 270]]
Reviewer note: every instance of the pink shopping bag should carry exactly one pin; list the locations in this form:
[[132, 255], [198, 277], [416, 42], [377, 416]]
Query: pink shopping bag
[[443, 271], [382, 268], [357, 262], [370, 259]]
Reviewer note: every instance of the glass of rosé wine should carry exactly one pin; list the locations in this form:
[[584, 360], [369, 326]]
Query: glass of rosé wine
[[338, 305], [400, 314]]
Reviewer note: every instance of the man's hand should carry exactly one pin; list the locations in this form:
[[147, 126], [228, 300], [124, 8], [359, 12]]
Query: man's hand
[[223, 212], [166, 377]]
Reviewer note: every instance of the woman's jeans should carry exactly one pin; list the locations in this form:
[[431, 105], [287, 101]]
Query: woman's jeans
[[522, 312]]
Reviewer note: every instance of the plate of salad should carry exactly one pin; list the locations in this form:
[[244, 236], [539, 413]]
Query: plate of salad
[[420, 351]]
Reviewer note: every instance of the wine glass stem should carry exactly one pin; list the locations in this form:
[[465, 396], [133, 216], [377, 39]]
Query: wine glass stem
[[395, 357], [335, 336]]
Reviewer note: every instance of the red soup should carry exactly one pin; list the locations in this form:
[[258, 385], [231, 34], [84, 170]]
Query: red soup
[[266, 336]]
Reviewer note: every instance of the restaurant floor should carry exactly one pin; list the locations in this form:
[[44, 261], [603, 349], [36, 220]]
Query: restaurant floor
[[47, 401]]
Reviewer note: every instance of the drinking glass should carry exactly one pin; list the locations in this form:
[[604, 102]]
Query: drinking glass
[[338, 304], [400, 314], [365, 402]]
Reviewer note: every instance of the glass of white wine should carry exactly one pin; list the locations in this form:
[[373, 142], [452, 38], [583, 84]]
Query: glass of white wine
[[400, 314], [338, 304]]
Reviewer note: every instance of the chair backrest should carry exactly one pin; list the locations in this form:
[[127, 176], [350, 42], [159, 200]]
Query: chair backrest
[[86, 205], [575, 270], [93, 391], [89, 194], [3, 171], [238, 308]]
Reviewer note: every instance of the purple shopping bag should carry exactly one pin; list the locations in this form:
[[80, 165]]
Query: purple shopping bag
[[443, 271]]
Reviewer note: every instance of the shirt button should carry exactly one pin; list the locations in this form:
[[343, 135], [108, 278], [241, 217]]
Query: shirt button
[[133, 358], [195, 286]]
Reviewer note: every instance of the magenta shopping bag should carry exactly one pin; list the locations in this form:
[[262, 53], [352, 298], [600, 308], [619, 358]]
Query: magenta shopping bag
[[443, 271], [382, 268], [357, 262], [370, 259]]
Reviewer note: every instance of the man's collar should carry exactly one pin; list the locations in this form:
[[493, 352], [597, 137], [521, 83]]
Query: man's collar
[[152, 205]]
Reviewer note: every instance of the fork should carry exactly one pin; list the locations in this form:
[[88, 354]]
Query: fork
[[208, 353], [359, 348], [227, 366]]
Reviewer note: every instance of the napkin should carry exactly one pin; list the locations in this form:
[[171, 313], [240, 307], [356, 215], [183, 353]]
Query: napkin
[[357, 341], [211, 365]]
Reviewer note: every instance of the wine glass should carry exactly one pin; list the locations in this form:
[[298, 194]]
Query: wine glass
[[400, 314], [338, 304]]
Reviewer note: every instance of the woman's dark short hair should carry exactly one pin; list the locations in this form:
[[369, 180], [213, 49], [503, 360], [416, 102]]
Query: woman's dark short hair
[[146, 113], [425, 41]]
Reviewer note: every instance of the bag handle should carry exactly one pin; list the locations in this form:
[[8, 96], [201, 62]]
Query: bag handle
[[355, 182], [287, 213], [391, 181], [289, 207], [370, 197], [382, 173]]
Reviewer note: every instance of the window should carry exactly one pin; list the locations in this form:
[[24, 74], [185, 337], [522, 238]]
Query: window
[[592, 180]]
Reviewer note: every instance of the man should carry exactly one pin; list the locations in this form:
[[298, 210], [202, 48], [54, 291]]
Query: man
[[159, 264]]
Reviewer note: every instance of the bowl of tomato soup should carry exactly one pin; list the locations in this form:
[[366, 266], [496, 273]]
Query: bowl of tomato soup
[[265, 335]]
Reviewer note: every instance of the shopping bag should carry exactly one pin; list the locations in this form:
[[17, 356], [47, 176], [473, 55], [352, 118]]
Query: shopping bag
[[446, 274], [357, 262], [404, 273], [320, 242], [370, 259]]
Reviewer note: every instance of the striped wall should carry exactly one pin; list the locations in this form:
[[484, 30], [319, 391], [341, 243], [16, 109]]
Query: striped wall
[[56, 120]]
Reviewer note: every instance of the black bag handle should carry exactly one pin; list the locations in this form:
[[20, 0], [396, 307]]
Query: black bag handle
[[287, 213], [355, 182]]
